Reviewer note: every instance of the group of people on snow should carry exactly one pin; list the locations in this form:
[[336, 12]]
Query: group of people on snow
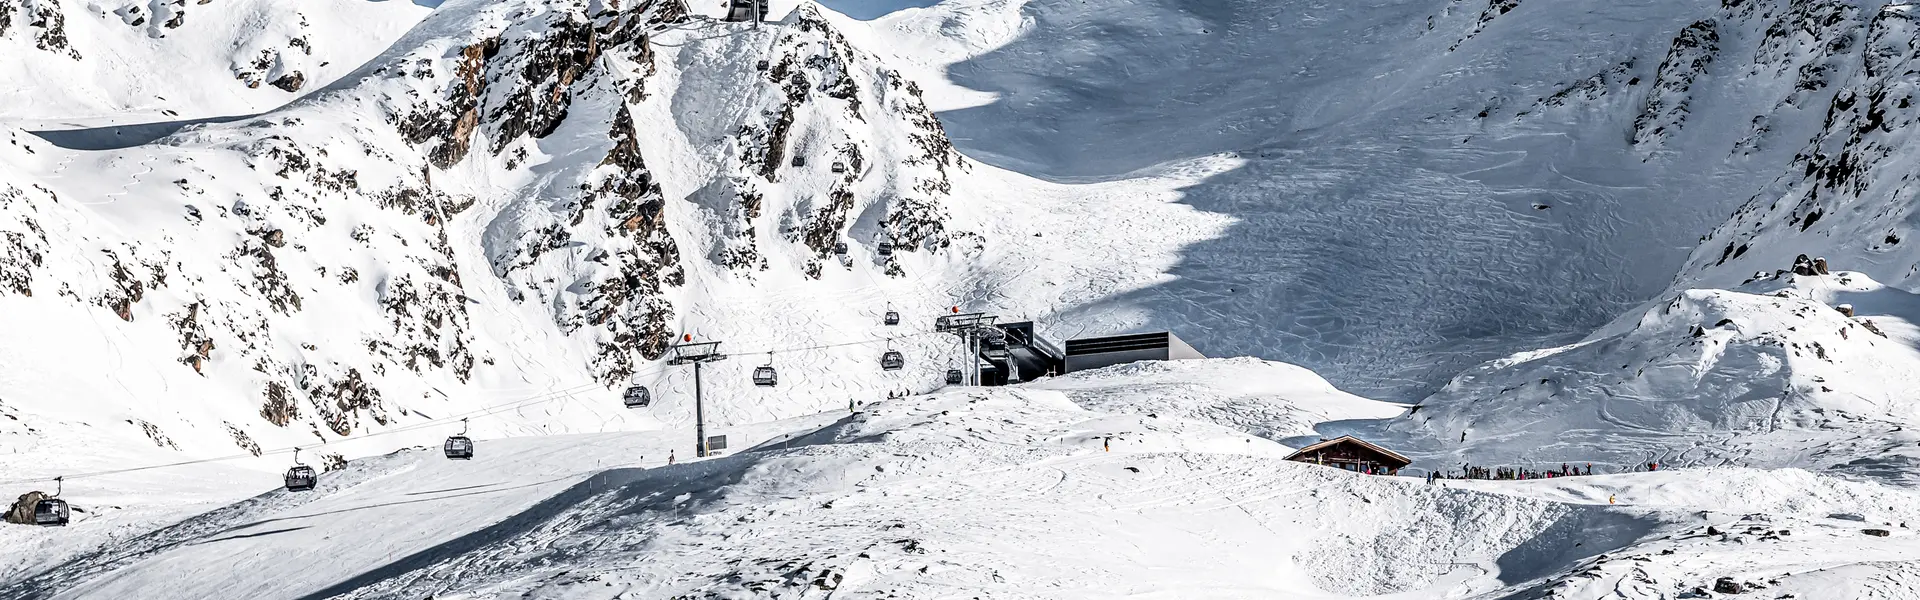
[[1468, 471]]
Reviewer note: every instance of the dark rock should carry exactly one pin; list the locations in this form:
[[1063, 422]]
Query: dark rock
[[1876, 532], [1726, 585], [291, 82]]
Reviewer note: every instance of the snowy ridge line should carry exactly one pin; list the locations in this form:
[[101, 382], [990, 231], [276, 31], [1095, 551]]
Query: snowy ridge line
[[560, 394]]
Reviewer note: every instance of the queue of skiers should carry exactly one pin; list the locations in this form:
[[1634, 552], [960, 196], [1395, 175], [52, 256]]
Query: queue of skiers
[[1511, 473], [1519, 474]]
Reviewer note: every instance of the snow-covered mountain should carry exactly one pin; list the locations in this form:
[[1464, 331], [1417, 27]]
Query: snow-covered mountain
[[1544, 232], [1746, 359], [75, 63], [521, 205]]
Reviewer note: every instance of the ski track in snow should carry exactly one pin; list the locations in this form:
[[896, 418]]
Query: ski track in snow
[[1212, 168], [1004, 492]]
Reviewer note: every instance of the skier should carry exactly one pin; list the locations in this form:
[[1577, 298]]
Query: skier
[[669, 457], [1106, 443], [1463, 437], [1610, 499]]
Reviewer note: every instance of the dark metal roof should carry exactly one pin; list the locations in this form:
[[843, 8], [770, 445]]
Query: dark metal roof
[[1347, 438]]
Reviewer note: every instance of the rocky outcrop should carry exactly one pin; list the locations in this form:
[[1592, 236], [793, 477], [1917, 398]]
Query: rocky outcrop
[[313, 256], [917, 219], [291, 82], [448, 126], [812, 122], [1848, 191], [43, 20], [277, 405], [1494, 9], [340, 400], [1665, 113], [23, 244], [1607, 83]]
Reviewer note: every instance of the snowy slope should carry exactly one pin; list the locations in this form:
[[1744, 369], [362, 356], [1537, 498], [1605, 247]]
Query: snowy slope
[[507, 216], [1767, 374], [505, 211], [1418, 186], [1742, 361], [1004, 493], [95, 63]]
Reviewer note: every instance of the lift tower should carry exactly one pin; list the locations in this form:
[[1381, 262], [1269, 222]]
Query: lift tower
[[697, 354], [970, 328]]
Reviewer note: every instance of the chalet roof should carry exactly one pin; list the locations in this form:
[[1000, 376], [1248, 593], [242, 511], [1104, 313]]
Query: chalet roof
[[1347, 438]]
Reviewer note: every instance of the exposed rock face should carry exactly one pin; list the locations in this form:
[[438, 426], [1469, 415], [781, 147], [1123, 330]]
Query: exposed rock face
[[23, 245], [1666, 110], [323, 261], [1726, 585], [449, 126], [1848, 191], [43, 20], [817, 119], [1494, 9], [615, 217], [290, 82]]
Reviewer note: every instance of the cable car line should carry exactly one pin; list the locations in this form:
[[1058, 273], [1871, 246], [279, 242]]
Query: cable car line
[[484, 411], [891, 360]]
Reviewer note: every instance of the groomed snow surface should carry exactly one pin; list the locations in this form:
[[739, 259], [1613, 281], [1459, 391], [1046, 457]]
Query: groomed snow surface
[[1426, 194], [993, 493]]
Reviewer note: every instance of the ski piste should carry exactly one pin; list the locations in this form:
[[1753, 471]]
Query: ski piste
[[1515, 238]]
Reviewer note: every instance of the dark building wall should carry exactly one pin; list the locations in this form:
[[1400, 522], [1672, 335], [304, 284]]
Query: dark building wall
[[1094, 353], [1107, 359]]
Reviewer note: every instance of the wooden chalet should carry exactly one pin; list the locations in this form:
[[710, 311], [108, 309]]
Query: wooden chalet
[[1353, 454]]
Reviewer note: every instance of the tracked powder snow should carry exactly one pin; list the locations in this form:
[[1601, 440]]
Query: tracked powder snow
[[1481, 233]]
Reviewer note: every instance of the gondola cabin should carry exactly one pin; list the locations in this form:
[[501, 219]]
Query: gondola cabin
[[886, 249], [301, 478], [891, 318], [637, 397], [459, 447], [839, 167], [840, 248], [765, 376], [954, 377], [1353, 454], [51, 511], [892, 360]]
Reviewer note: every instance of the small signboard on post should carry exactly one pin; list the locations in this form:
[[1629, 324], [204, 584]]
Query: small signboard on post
[[718, 442]]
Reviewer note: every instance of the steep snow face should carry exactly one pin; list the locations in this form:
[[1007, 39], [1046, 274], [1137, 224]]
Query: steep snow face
[[1847, 195], [89, 63], [1745, 362], [1447, 183], [1769, 374]]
